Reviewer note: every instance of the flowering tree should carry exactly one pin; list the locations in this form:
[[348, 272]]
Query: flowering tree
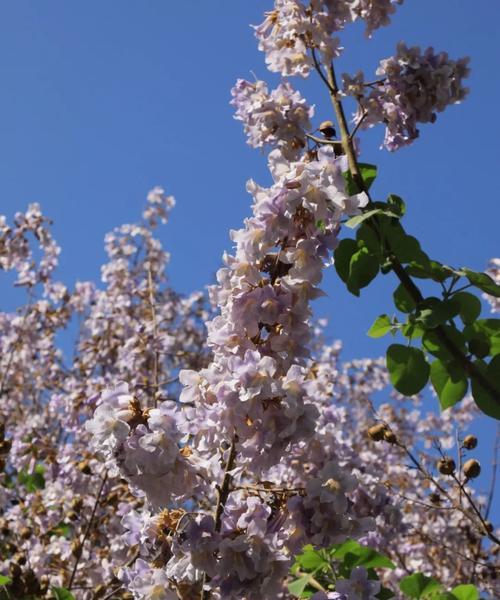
[[252, 462]]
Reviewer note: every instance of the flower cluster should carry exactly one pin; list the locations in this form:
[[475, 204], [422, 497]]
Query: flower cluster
[[279, 118], [412, 87], [294, 29]]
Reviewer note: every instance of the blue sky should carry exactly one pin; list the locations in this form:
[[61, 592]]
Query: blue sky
[[101, 101]]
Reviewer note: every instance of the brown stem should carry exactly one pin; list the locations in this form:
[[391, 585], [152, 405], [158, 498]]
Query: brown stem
[[222, 495], [155, 337], [79, 548]]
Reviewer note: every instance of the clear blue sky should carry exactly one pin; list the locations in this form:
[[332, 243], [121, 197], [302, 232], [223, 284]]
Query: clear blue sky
[[100, 101]]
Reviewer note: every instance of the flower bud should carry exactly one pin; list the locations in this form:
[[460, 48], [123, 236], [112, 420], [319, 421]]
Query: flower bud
[[376, 432], [446, 465], [470, 442], [472, 468], [327, 129]]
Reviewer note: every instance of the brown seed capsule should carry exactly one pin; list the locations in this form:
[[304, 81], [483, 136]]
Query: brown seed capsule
[[327, 129], [84, 467], [76, 504], [446, 465], [376, 432], [435, 498], [5, 446], [390, 437], [470, 442], [472, 468], [15, 570], [25, 533], [488, 526]]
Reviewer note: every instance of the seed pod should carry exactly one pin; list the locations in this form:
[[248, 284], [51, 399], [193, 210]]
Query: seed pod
[[76, 548], [446, 465], [76, 504], [488, 526], [435, 498], [84, 467], [327, 129], [472, 468], [376, 432], [5, 446], [390, 437], [470, 442], [15, 570], [25, 533]]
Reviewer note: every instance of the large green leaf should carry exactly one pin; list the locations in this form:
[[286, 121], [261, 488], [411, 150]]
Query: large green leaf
[[298, 586], [342, 257], [418, 586], [363, 267], [483, 397], [470, 306], [465, 592], [449, 381], [484, 282], [402, 299], [4, 580], [408, 369]]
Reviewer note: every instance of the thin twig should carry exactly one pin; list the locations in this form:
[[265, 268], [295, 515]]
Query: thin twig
[[222, 495], [155, 337], [79, 548], [494, 468]]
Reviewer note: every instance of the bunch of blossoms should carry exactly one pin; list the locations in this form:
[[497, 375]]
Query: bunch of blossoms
[[293, 28], [248, 472], [240, 415], [494, 272], [61, 508], [278, 118], [412, 87]]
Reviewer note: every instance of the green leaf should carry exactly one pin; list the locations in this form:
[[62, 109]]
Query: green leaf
[[366, 236], [418, 586], [342, 257], [479, 345], [368, 173], [4, 580], [385, 594], [449, 381], [363, 267], [33, 481], [465, 592], [433, 312], [310, 559], [412, 330], [406, 248], [380, 327], [470, 306], [297, 587], [484, 282], [432, 342], [408, 369], [358, 219], [482, 397], [62, 594], [491, 328], [403, 300], [360, 556], [397, 204]]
